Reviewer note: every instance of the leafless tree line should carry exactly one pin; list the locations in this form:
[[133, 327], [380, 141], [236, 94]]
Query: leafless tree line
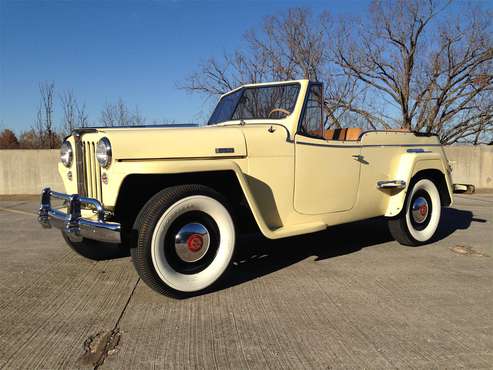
[[45, 133], [118, 114], [415, 64]]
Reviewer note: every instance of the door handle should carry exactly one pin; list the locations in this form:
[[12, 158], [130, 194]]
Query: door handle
[[360, 158]]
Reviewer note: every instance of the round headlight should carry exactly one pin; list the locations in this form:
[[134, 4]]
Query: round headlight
[[103, 152], [66, 154]]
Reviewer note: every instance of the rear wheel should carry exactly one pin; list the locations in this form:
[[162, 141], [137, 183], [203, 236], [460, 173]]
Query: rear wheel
[[418, 221], [186, 240]]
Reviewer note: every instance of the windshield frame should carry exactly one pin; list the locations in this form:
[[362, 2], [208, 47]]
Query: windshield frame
[[253, 86]]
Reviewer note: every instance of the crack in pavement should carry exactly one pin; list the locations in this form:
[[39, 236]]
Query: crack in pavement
[[103, 344]]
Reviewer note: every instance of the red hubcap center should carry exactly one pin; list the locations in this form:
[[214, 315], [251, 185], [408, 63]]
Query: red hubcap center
[[423, 209], [195, 242]]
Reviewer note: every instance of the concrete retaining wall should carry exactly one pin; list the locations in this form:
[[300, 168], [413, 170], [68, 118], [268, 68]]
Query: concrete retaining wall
[[472, 164], [28, 171]]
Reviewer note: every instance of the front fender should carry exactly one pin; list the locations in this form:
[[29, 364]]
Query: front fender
[[124, 168]]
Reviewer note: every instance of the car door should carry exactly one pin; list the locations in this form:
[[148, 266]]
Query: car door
[[326, 171]]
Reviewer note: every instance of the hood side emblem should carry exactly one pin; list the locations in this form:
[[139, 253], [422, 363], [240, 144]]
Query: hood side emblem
[[224, 150]]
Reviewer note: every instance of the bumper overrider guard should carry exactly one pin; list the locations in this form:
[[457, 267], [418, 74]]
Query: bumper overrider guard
[[72, 222]]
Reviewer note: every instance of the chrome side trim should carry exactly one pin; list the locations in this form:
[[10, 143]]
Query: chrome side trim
[[225, 150], [418, 150], [72, 222], [391, 184], [342, 146], [180, 158]]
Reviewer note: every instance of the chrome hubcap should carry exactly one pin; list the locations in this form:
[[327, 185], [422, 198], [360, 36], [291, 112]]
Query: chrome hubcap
[[192, 242], [419, 210]]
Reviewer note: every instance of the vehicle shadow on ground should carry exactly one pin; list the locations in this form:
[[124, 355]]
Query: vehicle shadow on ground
[[258, 256]]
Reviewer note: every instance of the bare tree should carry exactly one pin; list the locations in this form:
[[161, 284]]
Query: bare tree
[[289, 47], [48, 134], [69, 107], [43, 127], [431, 68], [108, 115], [118, 114], [74, 114], [410, 63], [115, 114], [29, 140], [137, 118], [82, 117]]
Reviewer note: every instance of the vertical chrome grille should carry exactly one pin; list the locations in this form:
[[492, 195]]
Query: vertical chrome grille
[[92, 170], [79, 163], [88, 169]]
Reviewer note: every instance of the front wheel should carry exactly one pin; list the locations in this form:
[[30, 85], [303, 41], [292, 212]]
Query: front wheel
[[186, 240], [418, 221]]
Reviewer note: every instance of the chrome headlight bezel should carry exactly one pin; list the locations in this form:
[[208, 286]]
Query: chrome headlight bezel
[[103, 152], [66, 154]]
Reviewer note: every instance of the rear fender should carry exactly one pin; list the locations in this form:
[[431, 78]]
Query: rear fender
[[410, 165]]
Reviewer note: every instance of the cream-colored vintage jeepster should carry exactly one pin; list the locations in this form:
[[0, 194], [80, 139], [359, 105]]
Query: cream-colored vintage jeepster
[[178, 196]]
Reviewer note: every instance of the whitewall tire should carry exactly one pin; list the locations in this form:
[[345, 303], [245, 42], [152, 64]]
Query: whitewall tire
[[186, 240], [419, 220]]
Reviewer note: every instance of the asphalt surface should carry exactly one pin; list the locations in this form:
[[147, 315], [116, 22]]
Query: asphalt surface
[[349, 297]]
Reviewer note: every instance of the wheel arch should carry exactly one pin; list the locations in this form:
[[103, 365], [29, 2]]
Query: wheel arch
[[439, 179], [413, 168], [137, 189]]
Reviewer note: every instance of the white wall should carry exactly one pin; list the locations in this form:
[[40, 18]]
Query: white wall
[[472, 164], [28, 171]]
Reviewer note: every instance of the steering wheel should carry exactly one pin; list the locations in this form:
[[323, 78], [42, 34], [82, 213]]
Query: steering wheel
[[285, 111]]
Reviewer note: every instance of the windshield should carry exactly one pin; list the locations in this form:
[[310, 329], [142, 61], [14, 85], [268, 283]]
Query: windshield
[[262, 102]]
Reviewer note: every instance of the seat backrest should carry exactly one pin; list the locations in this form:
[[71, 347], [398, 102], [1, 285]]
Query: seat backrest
[[335, 134], [352, 133], [328, 134], [315, 133]]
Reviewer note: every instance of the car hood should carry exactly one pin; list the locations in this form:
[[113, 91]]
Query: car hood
[[175, 142]]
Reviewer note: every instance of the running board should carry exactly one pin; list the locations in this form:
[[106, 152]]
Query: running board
[[283, 231], [391, 184]]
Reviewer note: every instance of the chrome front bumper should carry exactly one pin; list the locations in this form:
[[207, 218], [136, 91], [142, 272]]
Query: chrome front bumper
[[72, 222]]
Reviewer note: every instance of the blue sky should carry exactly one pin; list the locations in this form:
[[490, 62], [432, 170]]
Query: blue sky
[[134, 50]]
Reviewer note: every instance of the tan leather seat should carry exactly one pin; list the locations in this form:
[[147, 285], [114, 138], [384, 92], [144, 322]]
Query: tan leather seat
[[336, 134], [316, 133], [328, 134], [353, 133]]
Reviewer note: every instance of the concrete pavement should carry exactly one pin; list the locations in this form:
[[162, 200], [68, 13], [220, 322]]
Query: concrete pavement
[[349, 297]]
